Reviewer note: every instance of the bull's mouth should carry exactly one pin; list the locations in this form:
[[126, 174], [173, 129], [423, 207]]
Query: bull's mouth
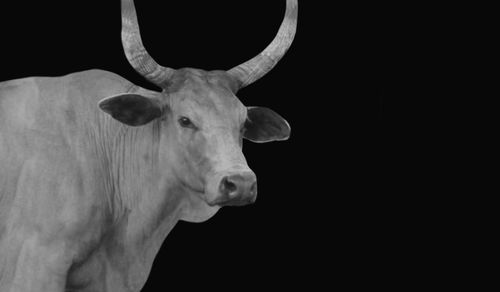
[[213, 203], [204, 194], [191, 188], [212, 199]]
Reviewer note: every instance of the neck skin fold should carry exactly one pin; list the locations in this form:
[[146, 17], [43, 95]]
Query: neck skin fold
[[145, 201]]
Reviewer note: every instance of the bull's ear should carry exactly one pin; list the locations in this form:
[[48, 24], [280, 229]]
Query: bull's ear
[[265, 125], [131, 109]]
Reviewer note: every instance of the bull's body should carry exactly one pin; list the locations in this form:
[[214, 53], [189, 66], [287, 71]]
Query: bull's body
[[65, 193], [95, 171]]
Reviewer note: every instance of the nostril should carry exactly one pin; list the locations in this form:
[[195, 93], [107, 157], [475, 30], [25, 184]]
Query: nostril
[[228, 186]]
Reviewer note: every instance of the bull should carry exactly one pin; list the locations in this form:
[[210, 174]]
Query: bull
[[96, 171]]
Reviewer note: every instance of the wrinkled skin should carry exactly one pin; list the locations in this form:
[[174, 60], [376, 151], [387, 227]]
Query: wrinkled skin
[[96, 172]]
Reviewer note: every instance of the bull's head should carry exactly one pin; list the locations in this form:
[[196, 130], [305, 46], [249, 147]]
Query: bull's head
[[202, 121]]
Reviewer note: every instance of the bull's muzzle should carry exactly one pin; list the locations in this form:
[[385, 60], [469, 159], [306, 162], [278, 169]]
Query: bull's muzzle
[[237, 189]]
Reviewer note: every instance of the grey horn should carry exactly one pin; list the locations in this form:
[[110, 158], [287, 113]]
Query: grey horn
[[136, 54], [252, 70]]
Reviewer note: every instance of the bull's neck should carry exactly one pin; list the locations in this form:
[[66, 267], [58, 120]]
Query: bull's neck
[[131, 151], [142, 203]]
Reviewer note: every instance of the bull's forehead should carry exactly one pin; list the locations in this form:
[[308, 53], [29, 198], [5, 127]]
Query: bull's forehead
[[207, 95]]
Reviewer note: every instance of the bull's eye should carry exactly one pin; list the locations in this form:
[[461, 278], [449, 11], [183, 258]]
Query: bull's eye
[[186, 122]]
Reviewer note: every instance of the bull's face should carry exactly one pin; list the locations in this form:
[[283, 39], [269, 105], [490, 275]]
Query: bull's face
[[202, 121], [202, 125]]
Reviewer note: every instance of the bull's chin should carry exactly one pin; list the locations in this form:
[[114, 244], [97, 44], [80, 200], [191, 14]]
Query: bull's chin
[[199, 209], [213, 203]]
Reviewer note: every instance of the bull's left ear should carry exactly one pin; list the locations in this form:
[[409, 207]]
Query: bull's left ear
[[131, 109], [265, 125]]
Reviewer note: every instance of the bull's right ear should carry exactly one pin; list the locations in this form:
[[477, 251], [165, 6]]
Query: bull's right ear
[[131, 109]]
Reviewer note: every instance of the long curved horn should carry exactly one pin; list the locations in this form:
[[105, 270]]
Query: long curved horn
[[250, 71], [136, 54]]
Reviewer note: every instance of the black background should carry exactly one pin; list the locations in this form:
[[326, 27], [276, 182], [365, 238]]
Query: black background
[[324, 211]]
